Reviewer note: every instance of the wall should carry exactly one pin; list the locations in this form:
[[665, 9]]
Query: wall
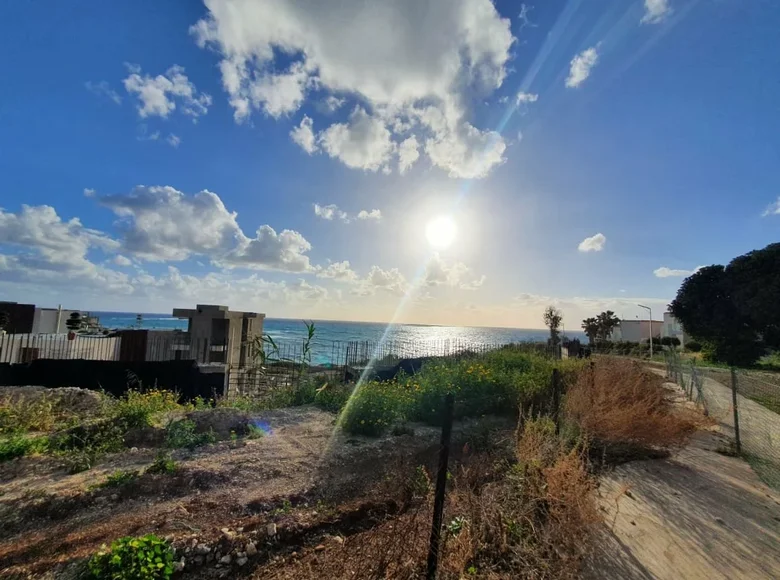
[[45, 321], [18, 348], [636, 330]]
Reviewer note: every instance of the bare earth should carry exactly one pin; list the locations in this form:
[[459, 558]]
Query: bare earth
[[696, 514]]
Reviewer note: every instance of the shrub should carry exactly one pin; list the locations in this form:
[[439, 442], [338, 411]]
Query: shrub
[[693, 346], [373, 408], [182, 434], [163, 464], [82, 447], [333, 397], [119, 478], [18, 445], [136, 408], [254, 431], [144, 558], [19, 416]]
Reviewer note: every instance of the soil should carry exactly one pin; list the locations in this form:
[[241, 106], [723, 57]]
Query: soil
[[304, 474]]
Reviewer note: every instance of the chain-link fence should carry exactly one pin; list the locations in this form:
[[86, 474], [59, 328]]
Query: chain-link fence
[[745, 403]]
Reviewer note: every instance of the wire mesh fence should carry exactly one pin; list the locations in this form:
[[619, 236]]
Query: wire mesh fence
[[746, 404]]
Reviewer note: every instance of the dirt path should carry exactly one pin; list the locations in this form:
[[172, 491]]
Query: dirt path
[[696, 514]]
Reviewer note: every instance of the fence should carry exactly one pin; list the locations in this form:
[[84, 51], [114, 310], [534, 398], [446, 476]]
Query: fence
[[746, 403]]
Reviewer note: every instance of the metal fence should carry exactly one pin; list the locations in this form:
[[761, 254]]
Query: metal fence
[[746, 404]]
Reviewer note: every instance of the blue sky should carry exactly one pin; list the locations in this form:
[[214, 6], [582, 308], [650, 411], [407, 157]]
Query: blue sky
[[587, 153]]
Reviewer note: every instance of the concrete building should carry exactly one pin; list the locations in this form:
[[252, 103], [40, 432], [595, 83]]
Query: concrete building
[[672, 327], [218, 334], [636, 330], [30, 319]]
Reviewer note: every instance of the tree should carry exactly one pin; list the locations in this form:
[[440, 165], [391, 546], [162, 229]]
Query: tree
[[552, 319], [607, 322], [5, 320], [711, 310], [591, 328], [75, 322]]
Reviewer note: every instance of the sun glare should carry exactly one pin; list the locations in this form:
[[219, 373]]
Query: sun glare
[[441, 232]]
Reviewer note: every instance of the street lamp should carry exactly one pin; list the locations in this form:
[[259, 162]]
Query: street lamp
[[650, 314]]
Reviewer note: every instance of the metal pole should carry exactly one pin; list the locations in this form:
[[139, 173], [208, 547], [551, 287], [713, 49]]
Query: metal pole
[[737, 442], [441, 486]]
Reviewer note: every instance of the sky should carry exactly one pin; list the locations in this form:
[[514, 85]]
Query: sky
[[459, 162]]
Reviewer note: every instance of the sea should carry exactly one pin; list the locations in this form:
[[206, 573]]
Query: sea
[[327, 332]]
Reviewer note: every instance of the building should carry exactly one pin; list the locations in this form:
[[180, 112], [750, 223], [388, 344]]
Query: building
[[29, 319], [637, 330], [217, 333], [672, 327]]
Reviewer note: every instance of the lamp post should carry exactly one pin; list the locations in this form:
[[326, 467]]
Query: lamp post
[[650, 314]]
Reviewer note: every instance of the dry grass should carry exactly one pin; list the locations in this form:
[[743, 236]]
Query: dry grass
[[617, 401]]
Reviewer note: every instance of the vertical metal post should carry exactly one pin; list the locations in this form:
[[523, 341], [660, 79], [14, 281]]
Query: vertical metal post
[[556, 399], [737, 442], [441, 486]]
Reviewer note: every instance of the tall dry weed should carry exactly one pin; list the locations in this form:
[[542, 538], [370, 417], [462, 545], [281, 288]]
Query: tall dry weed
[[618, 401]]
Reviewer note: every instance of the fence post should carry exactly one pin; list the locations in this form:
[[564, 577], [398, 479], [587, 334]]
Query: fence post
[[441, 486], [737, 442]]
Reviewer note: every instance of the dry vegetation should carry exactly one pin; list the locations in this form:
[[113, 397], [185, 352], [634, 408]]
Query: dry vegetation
[[519, 504]]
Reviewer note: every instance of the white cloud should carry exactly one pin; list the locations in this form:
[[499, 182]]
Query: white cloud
[[440, 57], [524, 98], [268, 250], [303, 135], [391, 281], [121, 260], [581, 66], [374, 214], [333, 103], [593, 243], [329, 212], [103, 89], [772, 209], [664, 272], [656, 11], [407, 154], [466, 152], [160, 96], [338, 271], [363, 143], [173, 140], [456, 275]]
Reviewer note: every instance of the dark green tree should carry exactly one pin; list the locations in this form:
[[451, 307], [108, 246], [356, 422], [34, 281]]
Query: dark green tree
[[591, 328], [706, 307], [75, 322], [5, 320], [552, 319], [607, 322]]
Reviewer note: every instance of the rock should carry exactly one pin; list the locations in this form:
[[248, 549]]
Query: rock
[[338, 539], [239, 530], [198, 560], [251, 549], [240, 555], [319, 548], [114, 497], [225, 559], [202, 549], [242, 561], [134, 450], [270, 529], [209, 558], [178, 566]]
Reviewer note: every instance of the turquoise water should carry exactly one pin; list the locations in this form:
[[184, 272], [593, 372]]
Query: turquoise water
[[284, 331]]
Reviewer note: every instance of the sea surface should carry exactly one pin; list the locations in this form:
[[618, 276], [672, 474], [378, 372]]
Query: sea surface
[[427, 339]]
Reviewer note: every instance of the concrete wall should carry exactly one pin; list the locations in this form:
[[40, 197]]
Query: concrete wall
[[45, 321], [636, 330], [17, 348], [671, 327]]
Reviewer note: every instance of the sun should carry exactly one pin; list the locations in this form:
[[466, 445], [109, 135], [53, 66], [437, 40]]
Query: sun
[[441, 232]]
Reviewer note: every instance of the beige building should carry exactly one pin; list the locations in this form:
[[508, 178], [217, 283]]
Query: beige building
[[636, 330], [217, 333]]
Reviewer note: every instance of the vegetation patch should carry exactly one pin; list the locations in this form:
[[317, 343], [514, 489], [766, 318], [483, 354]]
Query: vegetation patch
[[144, 558]]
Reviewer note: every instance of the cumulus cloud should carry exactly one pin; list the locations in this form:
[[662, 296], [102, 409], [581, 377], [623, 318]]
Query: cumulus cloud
[[772, 209], [581, 66], [656, 11], [160, 223], [173, 140], [103, 89], [407, 154], [593, 243], [332, 212], [338, 271], [391, 281], [456, 274], [524, 98], [303, 135], [363, 143], [161, 95], [121, 260], [440, 57], [664, 272], [466, 152]]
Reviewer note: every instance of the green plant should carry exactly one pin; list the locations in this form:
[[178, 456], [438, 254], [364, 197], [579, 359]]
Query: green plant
[[83, 446], [456, 525], [333, 396], [182, 433], [136, 408], [420, 483], [22, 415], [373, 408], [693, 346], [144, 558], [163, 464], [254, 432], [18, 445], [120, 478]]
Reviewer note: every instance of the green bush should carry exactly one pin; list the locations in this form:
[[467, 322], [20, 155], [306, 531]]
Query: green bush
[[182, 434], [82, 447], [18, 445], [144, 558], [136, 408], [23, 415], [163, 464], [333, 397], [120, 478], [373, 408], [693, 346]]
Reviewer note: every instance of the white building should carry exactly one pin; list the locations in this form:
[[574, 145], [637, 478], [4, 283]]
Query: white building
[[636, 330], [672, 327], [50, 320]]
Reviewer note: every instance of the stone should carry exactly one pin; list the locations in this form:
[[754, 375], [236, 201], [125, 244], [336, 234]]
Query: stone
[[319, 548], [240, 555], [178, 566], [242, 561], [338, 539], [202, 549], [198, 560], [270, 529], [225, 559], [251, 549]]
